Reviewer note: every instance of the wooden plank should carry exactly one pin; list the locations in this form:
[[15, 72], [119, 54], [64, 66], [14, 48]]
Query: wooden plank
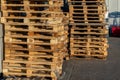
[[88, 24], [85, 27], [97, 54], [87, 1], [92, 40]]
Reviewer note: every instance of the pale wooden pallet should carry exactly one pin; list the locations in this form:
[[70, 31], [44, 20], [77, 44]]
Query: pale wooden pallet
[[82, 48], [81, 16], [28, 46], [76, 56], [32, 34], [85, 27], [33, 38], [34, 68], [87, 6], [77, 36], [92, 46], [87, 21], [87, 0], [44, 56], [25, 78], [82, 24], [87, 13], [89, 54], [27, 2], [32, 24], [59, 29], [31, 13], [33, 20], [91, 40], [35, 41], [31, 8], [89, 31]]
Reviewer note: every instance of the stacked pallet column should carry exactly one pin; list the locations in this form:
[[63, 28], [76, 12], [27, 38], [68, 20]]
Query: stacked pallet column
[[88, 32], [35, 38]]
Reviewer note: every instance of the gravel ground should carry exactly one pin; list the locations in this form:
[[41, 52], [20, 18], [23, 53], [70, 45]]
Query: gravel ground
[[95, 69]]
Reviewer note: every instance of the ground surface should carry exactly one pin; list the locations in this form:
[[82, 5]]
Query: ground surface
[[95, 69]]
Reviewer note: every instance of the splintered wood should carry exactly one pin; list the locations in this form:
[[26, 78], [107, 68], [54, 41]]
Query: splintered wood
[[35, 38], [88, 32]]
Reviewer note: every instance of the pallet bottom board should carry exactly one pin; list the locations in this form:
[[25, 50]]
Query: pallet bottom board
[[32, 78], [78, 56], [21, 76]]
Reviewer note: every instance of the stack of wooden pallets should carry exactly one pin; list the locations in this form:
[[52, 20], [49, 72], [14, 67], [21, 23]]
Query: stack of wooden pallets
[[35, 38], [88, 32]]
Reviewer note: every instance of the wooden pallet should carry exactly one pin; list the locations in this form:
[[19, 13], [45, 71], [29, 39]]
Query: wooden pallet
[[90, 26], [32, 68], [26, 78], [77, 36], [33, 20], [89, 18], [40, 28], [88, 7], [89, 54], [89, 48], [86, 21], [32, 34], [89, 45], [40, 34], [95, 45], [86, 18], [90, 35], [39, 41], [42, 48], [37, 65], [36, 14], [84, 40], [27, 2], [88, 4], [83, 24], [34, 47], [41, 53], [89, 31], [88, 1]]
